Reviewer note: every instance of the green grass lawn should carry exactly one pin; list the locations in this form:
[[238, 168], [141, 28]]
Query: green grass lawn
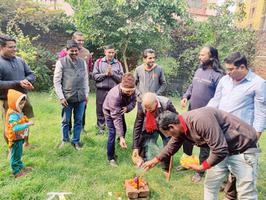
[[86, 173]]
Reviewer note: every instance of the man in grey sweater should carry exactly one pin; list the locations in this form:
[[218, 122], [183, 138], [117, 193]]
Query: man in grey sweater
[[14, 74], [233, 145], [71, 87]]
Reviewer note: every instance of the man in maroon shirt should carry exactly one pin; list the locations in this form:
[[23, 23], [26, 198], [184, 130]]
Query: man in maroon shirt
[[233, 145]]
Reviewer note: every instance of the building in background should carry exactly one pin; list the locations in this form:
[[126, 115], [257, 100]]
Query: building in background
[[58, 5], [255, 15], [200, 9]]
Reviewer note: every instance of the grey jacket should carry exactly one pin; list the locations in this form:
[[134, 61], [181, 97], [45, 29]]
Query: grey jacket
[[149, 81], [99, 70], [222, 132], [71, 79], [113, 104], [12, 71]]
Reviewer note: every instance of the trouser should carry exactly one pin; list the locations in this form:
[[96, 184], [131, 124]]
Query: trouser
[[100, 97], [112, 136], [27, 110], [204, 152], [150, 147], [16, 163], [83, 119], [243, 166], [78, 110], [230, 188]]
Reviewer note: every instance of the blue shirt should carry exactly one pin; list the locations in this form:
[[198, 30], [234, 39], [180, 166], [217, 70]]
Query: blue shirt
[[245, 99]]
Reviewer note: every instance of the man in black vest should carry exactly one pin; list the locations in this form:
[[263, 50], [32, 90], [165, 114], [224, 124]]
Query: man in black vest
[[71, 87]]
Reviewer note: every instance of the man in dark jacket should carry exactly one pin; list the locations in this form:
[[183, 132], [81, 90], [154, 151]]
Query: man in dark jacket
[[146, 130], [107, 73], [233, 145], [120, 99], [14, 74]]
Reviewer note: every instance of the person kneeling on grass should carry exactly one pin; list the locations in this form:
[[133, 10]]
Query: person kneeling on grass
[[233, 145], [120, 99], [17, 127]]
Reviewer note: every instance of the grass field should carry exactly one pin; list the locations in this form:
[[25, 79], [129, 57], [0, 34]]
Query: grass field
[[86, 173]]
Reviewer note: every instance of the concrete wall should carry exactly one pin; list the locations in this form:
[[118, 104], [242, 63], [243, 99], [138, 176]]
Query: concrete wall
[[260, 59]]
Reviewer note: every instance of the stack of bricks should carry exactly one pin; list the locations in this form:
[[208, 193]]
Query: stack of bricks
[[132, 193]]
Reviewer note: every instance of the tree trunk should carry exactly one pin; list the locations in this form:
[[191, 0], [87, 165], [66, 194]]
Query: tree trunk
[[125, 57]]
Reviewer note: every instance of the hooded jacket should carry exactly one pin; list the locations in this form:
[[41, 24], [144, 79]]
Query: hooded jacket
[[16, 127]]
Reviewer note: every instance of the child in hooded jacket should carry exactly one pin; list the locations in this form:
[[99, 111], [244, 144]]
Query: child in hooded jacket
[[16, 129]]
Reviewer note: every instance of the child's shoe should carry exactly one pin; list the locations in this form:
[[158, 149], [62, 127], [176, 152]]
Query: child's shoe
[[19, 174], [26, 169]]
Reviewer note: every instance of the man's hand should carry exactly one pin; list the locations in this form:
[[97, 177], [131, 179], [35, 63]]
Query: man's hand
[[150, 164], [64, 102], [184, 102], [136, 159], [26, 84], [123, 143], [123, 110], [87, 100], [197, 168]]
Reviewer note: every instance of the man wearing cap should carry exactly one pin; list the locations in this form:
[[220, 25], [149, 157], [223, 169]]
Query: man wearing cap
[[120, 99], [107, 73], [233, 145], [71, 87], [146, 130]]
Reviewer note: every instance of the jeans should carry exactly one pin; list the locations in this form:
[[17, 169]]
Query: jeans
[[78, 110], [100, 97], [16, 156], [243, 166], [150, 147], [112, 135]]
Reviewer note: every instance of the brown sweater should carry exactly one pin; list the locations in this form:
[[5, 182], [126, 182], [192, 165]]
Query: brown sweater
[[224, 133]]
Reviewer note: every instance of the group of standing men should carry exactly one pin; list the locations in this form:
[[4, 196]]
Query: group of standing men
[[227, 141]]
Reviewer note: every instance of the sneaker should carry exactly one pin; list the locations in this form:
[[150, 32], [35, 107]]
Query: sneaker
[[62, 145], [113, 163], [180, 168], [196, 178], [19, 174], [84, 131], [100, 132], [26, 169], [77, 146]]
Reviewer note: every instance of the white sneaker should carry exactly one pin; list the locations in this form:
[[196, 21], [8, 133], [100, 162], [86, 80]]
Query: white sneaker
[[113, 163]]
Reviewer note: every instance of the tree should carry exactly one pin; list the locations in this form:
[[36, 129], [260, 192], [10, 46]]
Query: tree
[[219, 31], [132, 25]]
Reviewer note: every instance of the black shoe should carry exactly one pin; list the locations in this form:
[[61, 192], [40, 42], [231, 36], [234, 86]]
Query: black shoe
[[77, 146]]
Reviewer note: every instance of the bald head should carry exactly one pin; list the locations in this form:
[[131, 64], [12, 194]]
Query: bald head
[[149, 101]]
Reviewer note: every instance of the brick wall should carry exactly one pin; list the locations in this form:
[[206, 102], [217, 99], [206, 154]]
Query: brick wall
[[260, 59]]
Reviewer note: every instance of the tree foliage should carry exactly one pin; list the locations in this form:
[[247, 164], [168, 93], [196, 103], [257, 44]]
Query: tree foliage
[[219, 31], [132, 25]]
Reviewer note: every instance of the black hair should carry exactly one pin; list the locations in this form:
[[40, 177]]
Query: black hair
[[4, 39], [166, 118], [237, 59], [72, 44], [146, 51], [109, 46], [214, 58]]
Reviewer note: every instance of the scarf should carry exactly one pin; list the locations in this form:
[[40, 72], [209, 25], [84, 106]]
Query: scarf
[[151, 125]]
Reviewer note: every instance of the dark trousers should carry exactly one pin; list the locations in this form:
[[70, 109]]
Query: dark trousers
[[149, 146], [112, 136], [204, 152], [230, 188], [100, 97]]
